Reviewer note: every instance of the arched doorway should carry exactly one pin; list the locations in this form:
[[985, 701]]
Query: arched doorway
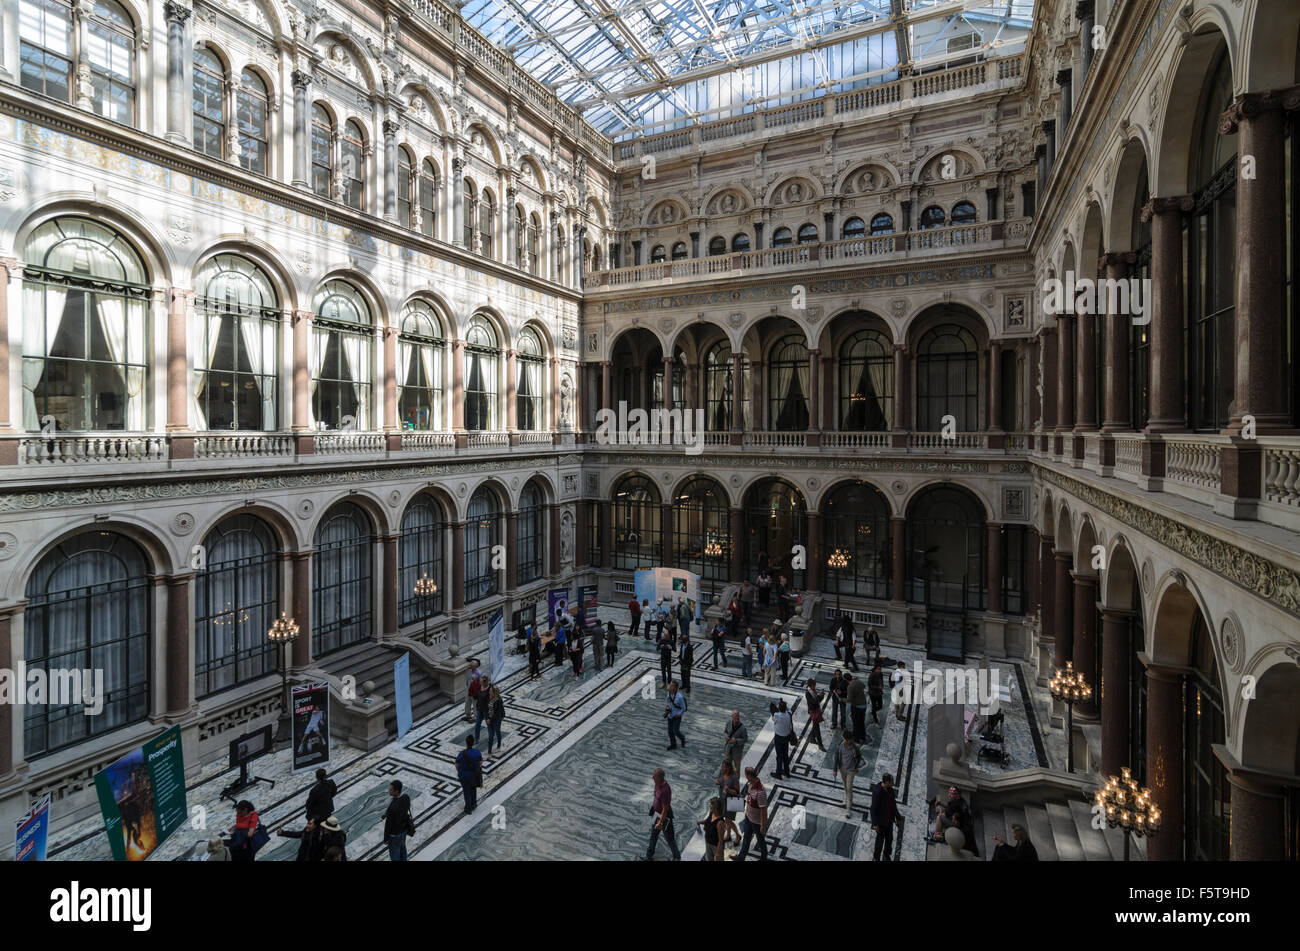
[[776, 520], [946, 549], [856, 521], [342, 573], [236, 599], [701, 531], [637, 516]]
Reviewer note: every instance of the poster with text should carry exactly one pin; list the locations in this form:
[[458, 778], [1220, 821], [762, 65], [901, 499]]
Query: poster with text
[[497, 645], [142, 797], [32, 832], [402, 693], [587, 597], [557, 603], [311, 726]]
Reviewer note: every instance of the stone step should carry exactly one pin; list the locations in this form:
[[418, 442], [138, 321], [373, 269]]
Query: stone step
[[1064, 834], [1040, 832]]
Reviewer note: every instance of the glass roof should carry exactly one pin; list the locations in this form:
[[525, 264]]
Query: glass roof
[[654, 64]]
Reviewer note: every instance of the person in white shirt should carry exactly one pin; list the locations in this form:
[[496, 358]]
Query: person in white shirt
[[900, 690], [769, 661], [783, 726]]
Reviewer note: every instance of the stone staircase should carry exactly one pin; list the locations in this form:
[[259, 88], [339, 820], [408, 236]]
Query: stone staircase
[[1060, 830], [373, 661]]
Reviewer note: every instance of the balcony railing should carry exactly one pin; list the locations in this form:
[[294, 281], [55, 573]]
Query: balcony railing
[[1128, 455], [91, 448], [1282, 475], [532, 438], [242, 445], [348, 442], [482, 440], [1193, 462], [950, 441]]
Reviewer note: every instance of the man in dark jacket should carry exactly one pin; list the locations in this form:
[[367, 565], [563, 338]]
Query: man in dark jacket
[[398, 823], [884, 816], [320, 798], [855, 695], [311, 841]]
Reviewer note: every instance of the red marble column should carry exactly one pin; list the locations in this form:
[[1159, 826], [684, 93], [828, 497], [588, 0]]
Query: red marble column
[[813, 575], [1166, 309], [607, 535], [301, 607], [390, 583], [302, 380], [1047, 355], [512, 403], [995, 387], [607, 384], [1085, 394], [1116, 650], [581, 545], [7, 757], [1115, 399], [666, 528], [1085, 639], [458, 388], [457, 566], [390, 381], [1258, 818], [814, 390], [994, 568], [553, 568], [512, 550], [552, 419], [1065, 373], [902, 397], [178, 370], [898, 532], [737, 549], [1165, 760], [737, 391], [1064, 628]]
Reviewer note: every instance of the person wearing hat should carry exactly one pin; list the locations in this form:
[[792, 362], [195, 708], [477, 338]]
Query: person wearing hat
[[333, 837], [217, 851]]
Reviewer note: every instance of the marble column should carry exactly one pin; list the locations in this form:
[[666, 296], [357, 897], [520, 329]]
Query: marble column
[[1085, 394], [1064, 373], [457, 566], [390, 576], [178, 96], [1049, 132], [737, 553], [995, 387], [180, 641], [1116, 649], [1063, 589], [666, 528], [512, 551], [458, 202], [901, 395], [458, 386], [9, 269], [737, 392], [1115, 399], [898, 533], [390, 129], [7, 757], [1166, 309], [390, 381], [553, 568], [301, 371], [607, 535], [1258, 816], [756, 405], [994, 568], [301, 126], [301, 607], [813, 575], [607, 384], [1164, 770], [1085, 640], [512, 394], [178, 370], [814, 390], [1084, 13], [1047, 587], [1047, 356], [581, 541]]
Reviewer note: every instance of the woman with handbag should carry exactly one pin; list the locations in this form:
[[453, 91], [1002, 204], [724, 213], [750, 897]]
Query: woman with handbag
[[717, 830], [247, 834], [728, 784], [813, 697]]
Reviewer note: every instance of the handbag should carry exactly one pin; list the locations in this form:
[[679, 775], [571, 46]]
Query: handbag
[[258, 839], [734, 804]]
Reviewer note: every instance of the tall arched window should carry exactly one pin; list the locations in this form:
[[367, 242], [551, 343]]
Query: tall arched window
[[403, 187], [342, 345], [427, 191], [322, 151], [787, 384], [530, 524], [352, 165], [86, 329], [110, 51], [808, 234], [1208, 794], [1211, 256], [1139, 336], [341, 579], [487, 214], [236, 349], [866, 382], [236, 598], [45, 47], [963, 213], [702, 530], [530, 388], [470, 222], [882, 224], [932, 217], [534, 233], [88, 609], [740, 242], [856, 524], [717, 245], [782, 238], [421, 349], [521, 237], [679, 251], [482, 370], [853, 228], [946, 546], [560, 246], [947, 379], [482, 535], [209, 103], [776, 520], [657, 254], [252, 108], [637, 518], [421, 556], [720, 388]]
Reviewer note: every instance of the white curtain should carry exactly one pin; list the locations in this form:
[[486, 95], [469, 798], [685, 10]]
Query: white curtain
[[876, 371], [42, 316], [355, 371], [433, 377], [260, 355], [320, 339], [112, 320]]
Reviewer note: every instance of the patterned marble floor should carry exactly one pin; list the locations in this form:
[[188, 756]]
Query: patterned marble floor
[[573, 776]]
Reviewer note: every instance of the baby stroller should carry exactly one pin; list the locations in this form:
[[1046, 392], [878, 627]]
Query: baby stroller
[[994, 748]]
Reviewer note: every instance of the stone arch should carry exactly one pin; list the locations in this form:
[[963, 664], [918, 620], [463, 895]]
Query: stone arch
[[682, 480], [336, 34], [1182, 102], [1120, 581], [258, 251], [1093, 242], [1270, 720], [363, 499], [162, 560], [277, 518], [793, 190], [1083, 544], [715, 200], [1174, 606], [669, 211], [1269, 48], [969, 163], [915, 492], [493, 484], [868, 178], [419, 92], [370, 292], [103, 211], [1130, 165], [543, 481]]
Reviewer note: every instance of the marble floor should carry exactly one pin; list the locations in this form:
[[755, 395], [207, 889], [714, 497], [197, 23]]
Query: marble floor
[[573, 777]]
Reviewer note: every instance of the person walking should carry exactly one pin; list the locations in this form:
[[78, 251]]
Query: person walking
[[597, 645], [900, 690], [561, 645], [747, 592], [683, 615], [848, 760], [534, 654], [482, 706], [855, 695], [884, 816], [310, 848], [471, 689], [872, 644], [728, 783], [769, 660], [736, 737], [686, 657], [716, 828], [735, 614], [634, 608], [836, 690], [575, 653], [320, 798], [469, 770], [718, 637], [755, 822], [674, 709], [496, 716], [784, 651], [839, 639], [661, 617], [764, 588], [662, 810], [783, 726], [876, 689], [398, 821], [665, 658], [611, 643], [813, 700], [747, 655]]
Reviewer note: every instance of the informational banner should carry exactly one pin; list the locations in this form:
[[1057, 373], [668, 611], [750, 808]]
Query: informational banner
[[142, 797], [671, 583], [496, 645], [311, 726], [557, 602], [587, 597], [32, 832], [402, 693]]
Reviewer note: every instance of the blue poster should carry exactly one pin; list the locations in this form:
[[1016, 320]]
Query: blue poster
[[643, 582], [557, 602], [402, 693], [497, 645], [31, 833]]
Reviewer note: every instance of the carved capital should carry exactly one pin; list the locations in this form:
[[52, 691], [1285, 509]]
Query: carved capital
[[301, 79], [176, 12], [1085, 10], [391, 127], [1159, 206], [1252, 104], [1112, 258]]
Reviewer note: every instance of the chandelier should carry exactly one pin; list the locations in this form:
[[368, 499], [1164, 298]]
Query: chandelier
[[283, 630]]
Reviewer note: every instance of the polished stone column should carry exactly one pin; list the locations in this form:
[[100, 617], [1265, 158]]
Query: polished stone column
[[7, 758], [901, 395], [1085, 640], [301, 372], [1115, 652], [1115, 399], [666, 530], [458, 387], [390, 579], [737, 533], [737, 395], [1084, 13], [1164, 771], [994, 568], [1258, 814], [512, 550], [390, 382], [607, 535], [457, 566], [9, 269], [390, 129], [1064, 373], [1049, 131], [1085, 394], [1047, 355], [301, 125], [814, 390], [178, 370], [582, 528], [1166, 308], [301, 609], [995, 387], [178, 96], [512, 401], [1035, 571], [553, 567], [1047, 586], [813, 574], [1063, 590], [458, 202], [898, 532], [607, 384], [180, 642]]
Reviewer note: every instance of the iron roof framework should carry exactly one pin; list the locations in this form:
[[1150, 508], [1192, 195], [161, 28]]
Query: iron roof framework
[[647, 65]]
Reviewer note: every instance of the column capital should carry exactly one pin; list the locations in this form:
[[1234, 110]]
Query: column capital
[[176, 12], [1085, 10], [1049, 126], [1064, 77], [300, 315], [1252, 104], [391, 127], [1159, 206], [1116, 258], [301, 79]]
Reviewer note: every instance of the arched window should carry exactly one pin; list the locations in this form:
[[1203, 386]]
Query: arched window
[[702, 530], [236, 354], [403, 187], [946, 543], [740, 242], [530, 544], [482, 370], [882, 224], [1208, 794], [932, 217], [530, 388], [657, 254], [856, 525], [787, 382], [421, 556], [1139, 336], [487, 213], [110, 51], [341, 357], [341, 579], [252, 108], [636, 514], [87, 608], [421, 350], [720, 388], [470, 222], [86, 329], [808, 234], [427, 190], [209, 104], [559, 254], [782, 238], [45, 47], [521, 237], [866, 382], [236, 599], [963, 213], [776, 520], [853, 228], [947, 379], [1211, 258], [353, 165], [482, 535], [534, 232], [679, 251], [717, 245], [322, 151]]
